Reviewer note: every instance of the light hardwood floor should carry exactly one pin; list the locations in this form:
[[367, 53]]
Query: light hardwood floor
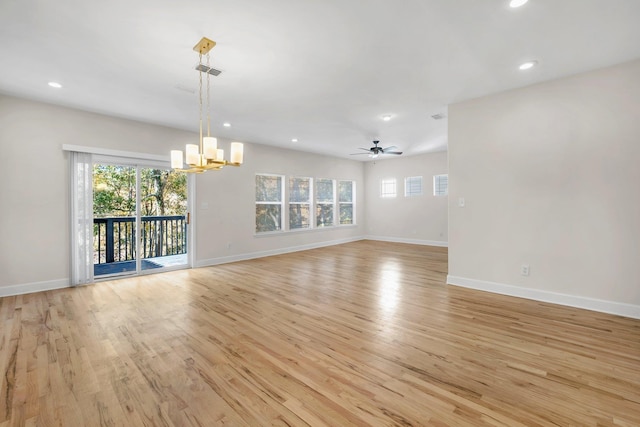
[[365, 333]]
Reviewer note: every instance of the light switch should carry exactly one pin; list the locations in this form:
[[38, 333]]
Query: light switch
[[204, 205], [461, 202]]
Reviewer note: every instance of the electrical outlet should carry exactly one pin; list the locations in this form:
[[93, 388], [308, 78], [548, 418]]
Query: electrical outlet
[[524, 270]]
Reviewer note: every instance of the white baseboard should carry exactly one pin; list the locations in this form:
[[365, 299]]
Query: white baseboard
[[279, 251], [410, 241], [29, 288], [611, 307]]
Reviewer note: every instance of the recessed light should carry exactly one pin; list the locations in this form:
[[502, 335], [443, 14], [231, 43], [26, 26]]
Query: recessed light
[[226, 124], [55, 85], [386, 117], [517, 3], [294, 140], [527, 65]]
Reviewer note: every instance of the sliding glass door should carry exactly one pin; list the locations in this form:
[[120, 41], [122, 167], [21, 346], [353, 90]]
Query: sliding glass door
[[163, 218], [139, 218]]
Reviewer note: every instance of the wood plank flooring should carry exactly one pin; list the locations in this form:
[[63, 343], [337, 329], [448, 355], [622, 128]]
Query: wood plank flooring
[[365, 333]]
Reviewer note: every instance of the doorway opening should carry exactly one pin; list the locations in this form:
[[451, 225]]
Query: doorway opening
[[140, 219]]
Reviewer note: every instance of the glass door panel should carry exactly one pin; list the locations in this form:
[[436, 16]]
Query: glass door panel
[[114, 219], [163, 209]]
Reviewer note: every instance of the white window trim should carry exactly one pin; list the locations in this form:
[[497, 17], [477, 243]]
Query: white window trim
[[316, 203], [407, 187], [308, 203], [285, 226], [436, 185], [281, 203], [352, 202], [117, 153], [384, 195]]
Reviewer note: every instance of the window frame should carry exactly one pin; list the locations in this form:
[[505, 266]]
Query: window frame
[[281, 203], [352, 202], [384, 184], [318, 203], [308, 203], [438, 186], [408, 185], [314, 204]]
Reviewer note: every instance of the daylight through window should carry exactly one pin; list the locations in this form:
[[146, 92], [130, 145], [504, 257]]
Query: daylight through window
[[296, 203], [441, 185], [300, 191], [345, 202], [269, 203], [325, 201], [388, 187], [413, 186]]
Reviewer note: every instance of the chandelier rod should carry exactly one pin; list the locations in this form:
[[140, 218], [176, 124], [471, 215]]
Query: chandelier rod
[[200, 154], [208, 98]]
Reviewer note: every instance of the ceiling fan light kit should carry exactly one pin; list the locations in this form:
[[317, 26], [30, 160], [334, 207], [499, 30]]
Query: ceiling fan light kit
[[206, 155]]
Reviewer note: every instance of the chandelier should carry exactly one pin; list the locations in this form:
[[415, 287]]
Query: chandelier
[[206, 155]]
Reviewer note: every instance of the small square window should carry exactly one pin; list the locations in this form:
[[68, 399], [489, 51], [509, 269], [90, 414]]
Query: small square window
[[413, 186], [388, 187], [441, 185]]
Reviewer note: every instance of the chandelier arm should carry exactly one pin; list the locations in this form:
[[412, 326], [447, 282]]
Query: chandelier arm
[[212, 165]]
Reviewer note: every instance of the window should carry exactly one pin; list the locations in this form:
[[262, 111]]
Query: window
[[388, 187], [345, 202], [300, 191], [441, 185], [325, 201], [291, 203], [269, 203], [413, 186]]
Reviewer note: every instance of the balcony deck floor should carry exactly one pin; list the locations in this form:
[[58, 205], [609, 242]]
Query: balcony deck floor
[[130, 266]]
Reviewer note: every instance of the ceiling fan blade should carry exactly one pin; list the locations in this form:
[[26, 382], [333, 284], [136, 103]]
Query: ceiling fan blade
[[355, 154], [365, 149], [393, 152], [393, 147]]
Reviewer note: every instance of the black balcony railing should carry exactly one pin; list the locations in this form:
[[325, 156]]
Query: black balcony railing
[[113, 238]]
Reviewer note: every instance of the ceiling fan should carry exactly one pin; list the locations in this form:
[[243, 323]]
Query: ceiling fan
[[375, 151]]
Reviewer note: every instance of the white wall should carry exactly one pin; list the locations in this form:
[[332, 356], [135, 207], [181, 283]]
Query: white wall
[[550, 176], [34, 190], [418, 219], [230, 196], [34, 183]]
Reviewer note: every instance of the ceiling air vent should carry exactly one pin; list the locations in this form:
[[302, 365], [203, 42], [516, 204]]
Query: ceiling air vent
[[438, 116], [205, 69]]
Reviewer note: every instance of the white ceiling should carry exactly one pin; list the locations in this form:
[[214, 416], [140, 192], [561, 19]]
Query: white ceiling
[[322, 71]]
